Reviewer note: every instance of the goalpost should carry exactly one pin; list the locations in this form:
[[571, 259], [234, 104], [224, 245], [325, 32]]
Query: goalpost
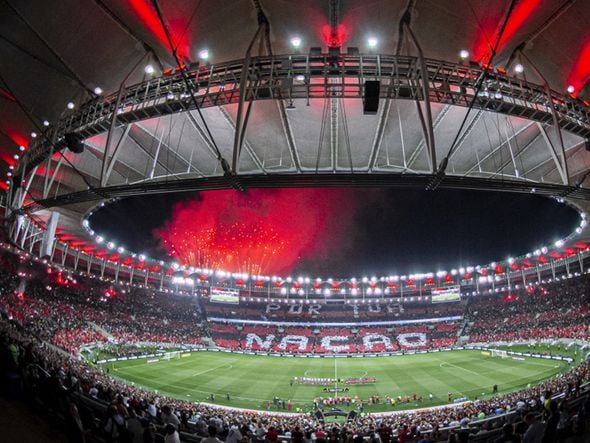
[[170, 355], [499, 353]]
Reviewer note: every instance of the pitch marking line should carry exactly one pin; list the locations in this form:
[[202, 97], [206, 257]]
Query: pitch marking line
[[444, 363], [212, 369]]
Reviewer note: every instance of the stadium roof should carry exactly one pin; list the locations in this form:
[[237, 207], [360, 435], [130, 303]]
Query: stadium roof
[[302, 110]]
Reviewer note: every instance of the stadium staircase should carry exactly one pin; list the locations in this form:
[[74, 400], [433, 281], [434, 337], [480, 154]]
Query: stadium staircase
[[56, 349], [101, 330], [208, 341], [462, 337]]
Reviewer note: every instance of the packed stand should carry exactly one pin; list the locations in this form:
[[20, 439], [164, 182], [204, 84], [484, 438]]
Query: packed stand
[[72, 312], [544, 312], [334, 340], [89, 402], [317, 311]]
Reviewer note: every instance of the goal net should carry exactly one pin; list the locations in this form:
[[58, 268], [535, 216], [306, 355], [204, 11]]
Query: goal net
[[170, 355], [499, 353]]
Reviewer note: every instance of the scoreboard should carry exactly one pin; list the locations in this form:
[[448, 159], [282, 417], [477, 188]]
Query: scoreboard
[[444, 295], [224, 295]]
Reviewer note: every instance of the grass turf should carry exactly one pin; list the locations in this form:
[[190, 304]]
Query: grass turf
[[252, 380]]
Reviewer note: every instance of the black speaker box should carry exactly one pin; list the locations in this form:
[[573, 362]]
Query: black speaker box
[[74, 142], [371, 102]]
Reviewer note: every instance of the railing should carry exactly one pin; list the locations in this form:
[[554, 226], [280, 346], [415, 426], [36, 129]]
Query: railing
[[315, 77]]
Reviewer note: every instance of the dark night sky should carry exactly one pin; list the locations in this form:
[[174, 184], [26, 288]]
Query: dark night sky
[[393, 231]]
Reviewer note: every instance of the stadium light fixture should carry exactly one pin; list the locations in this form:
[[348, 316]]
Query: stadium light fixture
[[45, 123], [519, 68], [71, 105], [33, 134], [571, 89], [463, 54], [99, 239], [111, 245], [296, 42], [98, 90], [544, 250], [559, 243], [372, 42], [204, 54], [21, 148], [149, 69], [16, 156]]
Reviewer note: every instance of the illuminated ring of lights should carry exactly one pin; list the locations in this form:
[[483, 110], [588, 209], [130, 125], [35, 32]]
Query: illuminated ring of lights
[[289, 76]]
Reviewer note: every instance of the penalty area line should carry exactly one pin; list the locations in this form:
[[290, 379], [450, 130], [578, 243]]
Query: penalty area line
[[212, 369], [444, 363]]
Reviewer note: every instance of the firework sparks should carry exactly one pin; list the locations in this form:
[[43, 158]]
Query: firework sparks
[[258, 232]]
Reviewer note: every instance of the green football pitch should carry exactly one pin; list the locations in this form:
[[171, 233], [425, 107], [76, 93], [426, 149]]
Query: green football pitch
[[252, 380]]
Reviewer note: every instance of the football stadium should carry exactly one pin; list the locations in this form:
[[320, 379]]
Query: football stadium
[[296, 221]]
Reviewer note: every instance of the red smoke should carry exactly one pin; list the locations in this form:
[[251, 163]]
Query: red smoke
[[260, 231]]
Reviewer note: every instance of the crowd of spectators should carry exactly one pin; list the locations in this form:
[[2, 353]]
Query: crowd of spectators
[[72, 312], [544, 312], [366, 310], [93, 402], [330, 340]]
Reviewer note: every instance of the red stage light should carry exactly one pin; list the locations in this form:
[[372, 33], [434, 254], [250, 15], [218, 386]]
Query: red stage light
[[176, 25], [490, 26], [580, 73], [334, 38]]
